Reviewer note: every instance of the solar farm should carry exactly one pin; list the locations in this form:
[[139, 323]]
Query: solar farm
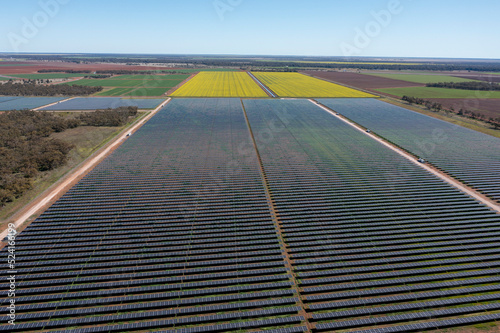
[[267, 215], [467, 155], [93, 103], [20, 103]]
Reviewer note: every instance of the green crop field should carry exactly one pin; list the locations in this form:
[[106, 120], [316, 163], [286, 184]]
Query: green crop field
[[161, 83], [423, 78], [147, 92], [115, 92], [134, 85], [106, 83], [152, 77], [426, 92]]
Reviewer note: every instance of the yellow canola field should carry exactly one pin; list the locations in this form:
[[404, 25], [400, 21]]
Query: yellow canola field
[[299, 85], [220, 84]]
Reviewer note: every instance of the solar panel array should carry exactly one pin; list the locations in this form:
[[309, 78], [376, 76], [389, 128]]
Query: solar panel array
[[188, 228], [171, 233], [93, 103], [470, 156], [374, 240], [19, 103]]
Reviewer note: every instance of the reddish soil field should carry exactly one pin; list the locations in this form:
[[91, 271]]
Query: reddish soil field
[[34, 67], [480, 77], [488, 107], [367, 82]]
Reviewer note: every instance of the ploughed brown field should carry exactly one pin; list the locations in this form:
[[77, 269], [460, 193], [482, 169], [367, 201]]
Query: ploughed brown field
[[480, 77], [34, 67], [487, 107], [367, 82]]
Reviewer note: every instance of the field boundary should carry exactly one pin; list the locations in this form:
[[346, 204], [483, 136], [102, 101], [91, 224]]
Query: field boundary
[[374, 93], [173, 89], [27, 214], [395, 100], [455, 183], [263, 86]]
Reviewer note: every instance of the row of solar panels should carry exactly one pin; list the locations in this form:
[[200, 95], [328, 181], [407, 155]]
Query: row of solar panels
[[139, 244], [366, 229], [153, 306], [346, 175], [151, 324], [468, 155]]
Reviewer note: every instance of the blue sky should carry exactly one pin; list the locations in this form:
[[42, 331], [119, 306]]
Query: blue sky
[[405, 28]]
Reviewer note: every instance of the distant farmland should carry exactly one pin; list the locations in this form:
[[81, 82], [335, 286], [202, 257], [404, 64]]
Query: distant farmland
[[220, 84], [361, 81], [134, 85], [299, 85], [426, 92], [423, 78]]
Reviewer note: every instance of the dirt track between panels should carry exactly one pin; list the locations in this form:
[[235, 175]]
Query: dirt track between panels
[[27, 214]]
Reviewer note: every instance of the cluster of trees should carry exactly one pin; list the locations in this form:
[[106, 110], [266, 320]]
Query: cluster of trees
[[420, 101], [109, 117], [31, 88], [100, 76], [36, 81], [495, 122], [26, 149], [471, 85], [276, 69], [433, 106]]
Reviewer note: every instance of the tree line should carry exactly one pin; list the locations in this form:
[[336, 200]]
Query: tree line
[[436, 107], [31, 88], [433, 106], [98, 76], [27, 150], [470, 85], [115, 72], [300, 62]]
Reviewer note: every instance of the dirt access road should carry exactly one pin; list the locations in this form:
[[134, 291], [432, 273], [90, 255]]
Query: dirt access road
[[42, 202]]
